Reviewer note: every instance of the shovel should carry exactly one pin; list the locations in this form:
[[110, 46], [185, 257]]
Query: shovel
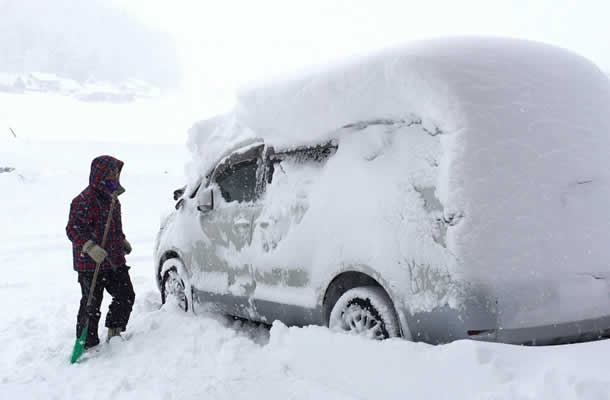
[[79, 346]]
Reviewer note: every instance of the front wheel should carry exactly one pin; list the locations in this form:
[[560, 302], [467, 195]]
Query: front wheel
[[365, 311], [174, 289]]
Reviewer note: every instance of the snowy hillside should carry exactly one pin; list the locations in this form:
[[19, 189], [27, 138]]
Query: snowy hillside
[[38, 82], [83, 42], [172, 355]]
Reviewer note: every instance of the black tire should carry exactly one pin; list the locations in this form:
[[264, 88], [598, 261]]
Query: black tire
[[365, 311], [172, 286]]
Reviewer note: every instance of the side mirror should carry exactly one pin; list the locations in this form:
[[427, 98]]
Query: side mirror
[[179, 192], [205, 200]]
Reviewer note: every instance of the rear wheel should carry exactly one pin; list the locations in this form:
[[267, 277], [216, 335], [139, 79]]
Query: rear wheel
[[173, 289], [365, 311]]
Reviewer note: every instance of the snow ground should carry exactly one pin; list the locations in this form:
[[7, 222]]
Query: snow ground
[[172, 355]]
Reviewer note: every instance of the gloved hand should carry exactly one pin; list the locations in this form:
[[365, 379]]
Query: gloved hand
[[94, 251], [126, 246]]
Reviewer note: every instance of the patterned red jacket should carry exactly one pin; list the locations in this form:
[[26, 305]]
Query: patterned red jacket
[[88, 213]]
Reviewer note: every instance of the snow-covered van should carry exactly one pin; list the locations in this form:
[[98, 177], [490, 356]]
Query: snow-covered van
[[449, 189]]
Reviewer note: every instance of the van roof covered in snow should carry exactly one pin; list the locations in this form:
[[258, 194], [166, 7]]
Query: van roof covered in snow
[[504, 86]]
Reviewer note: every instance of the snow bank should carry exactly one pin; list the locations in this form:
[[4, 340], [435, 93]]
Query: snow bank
[[179, 356], [509, 137]]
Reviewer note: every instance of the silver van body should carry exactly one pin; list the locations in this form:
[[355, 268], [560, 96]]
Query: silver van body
[[482, 217]]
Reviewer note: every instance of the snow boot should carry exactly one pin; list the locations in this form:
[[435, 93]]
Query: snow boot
[[112, 332], [91, 344]]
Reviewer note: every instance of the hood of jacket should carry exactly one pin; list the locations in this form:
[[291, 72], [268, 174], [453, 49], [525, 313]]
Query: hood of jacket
[[100, 167]]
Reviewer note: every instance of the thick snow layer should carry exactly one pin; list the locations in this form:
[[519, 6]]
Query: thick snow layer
[[172, 355], [510, 138]]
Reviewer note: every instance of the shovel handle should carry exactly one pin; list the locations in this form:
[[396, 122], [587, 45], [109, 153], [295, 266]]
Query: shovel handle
[[97, 265]]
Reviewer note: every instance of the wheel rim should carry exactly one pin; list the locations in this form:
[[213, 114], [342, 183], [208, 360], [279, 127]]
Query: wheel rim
[[363, 321], [174, 288]]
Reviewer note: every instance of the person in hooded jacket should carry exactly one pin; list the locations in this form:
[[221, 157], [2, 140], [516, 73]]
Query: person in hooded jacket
[[88, 215]]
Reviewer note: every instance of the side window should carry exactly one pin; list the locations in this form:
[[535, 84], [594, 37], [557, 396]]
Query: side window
[[238, 182]]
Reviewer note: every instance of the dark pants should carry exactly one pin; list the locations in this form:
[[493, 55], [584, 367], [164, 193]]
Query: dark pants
[[118, 285]]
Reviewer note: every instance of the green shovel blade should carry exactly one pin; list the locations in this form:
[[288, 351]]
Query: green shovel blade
[[79, 346]]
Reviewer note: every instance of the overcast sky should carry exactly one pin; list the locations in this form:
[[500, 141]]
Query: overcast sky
[[224, 44]]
